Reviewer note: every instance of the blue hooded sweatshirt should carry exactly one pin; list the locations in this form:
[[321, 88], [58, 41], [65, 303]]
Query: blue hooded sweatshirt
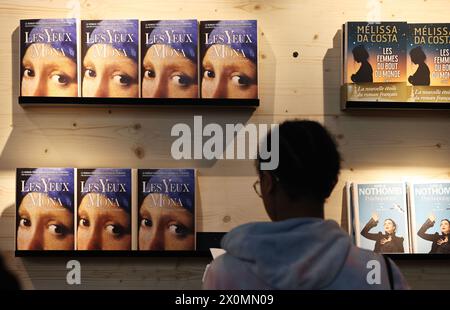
[[300, 253]]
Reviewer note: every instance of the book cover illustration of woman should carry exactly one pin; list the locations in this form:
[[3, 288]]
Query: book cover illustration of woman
[[45, 216], [387, 241], [104, 216], [229, 69], [422, 74], [49, 63], [440, 242], [365, 71], [167, 217], [110, 63], [169, 60]]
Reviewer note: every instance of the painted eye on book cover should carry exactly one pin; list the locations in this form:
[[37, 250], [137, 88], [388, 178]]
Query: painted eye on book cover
[[115, 230], [178, 229], [28, 72], [149, 74], [56, 229], [146, 222], [60, 79], [84, 222], [90, 73], [241, 80], [24, 222], [209, 74], [122, 79], [182, 80]]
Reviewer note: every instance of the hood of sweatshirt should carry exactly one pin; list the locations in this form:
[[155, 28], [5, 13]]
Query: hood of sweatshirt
[[292, 253]]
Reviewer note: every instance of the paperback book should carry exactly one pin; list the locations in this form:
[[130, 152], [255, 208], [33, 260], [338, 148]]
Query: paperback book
[[45, 209], [375, 61], [428, 62], [430, 216], [104, 209], [381, 218], [166, 209], [169, 65], [229, 59], [48, 58], [110, 52]]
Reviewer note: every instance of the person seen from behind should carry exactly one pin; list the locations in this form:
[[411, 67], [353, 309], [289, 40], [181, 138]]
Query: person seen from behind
[[298, 249]]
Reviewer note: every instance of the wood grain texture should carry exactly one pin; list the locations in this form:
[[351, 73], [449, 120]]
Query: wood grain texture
[[388, 145]]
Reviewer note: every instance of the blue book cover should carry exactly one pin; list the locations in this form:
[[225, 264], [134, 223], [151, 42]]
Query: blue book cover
[[229, 59], [430, 215], [429, 55], [104, 198], [381, 219], [45, 209], [48, 57], [166, 209], [375, 52], [169, 59], [109, 52]]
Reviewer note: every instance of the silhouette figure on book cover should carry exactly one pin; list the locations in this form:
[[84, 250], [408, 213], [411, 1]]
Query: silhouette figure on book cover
[[422, 74], [364, 74]]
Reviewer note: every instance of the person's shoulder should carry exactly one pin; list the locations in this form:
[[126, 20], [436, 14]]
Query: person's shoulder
[[214, 273], [225, 265], [230, 272], [360, 257], [362, 254]]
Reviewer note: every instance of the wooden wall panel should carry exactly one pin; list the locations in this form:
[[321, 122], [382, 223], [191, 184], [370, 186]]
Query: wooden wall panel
[[389, 145]]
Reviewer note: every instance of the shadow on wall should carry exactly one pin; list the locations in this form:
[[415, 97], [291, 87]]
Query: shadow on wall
[[8, 281], [267, 69], [122, 137], [8, 274], [371, 139]]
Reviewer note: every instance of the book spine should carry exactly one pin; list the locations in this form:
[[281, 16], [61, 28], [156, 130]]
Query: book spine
[[134, 210]]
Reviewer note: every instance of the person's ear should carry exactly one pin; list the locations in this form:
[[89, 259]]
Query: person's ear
[[267, 182]]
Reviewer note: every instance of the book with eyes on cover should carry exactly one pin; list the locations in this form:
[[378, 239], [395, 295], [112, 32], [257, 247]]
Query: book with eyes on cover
[[45, 209], [166, 209], [381, 217], [104, 209], [48, 58], [229, 59], [169, 59], [430, 216], [109, 58]]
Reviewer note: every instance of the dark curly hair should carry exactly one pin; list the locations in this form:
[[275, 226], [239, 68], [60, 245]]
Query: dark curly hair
[[360, 53], [309, 162]]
